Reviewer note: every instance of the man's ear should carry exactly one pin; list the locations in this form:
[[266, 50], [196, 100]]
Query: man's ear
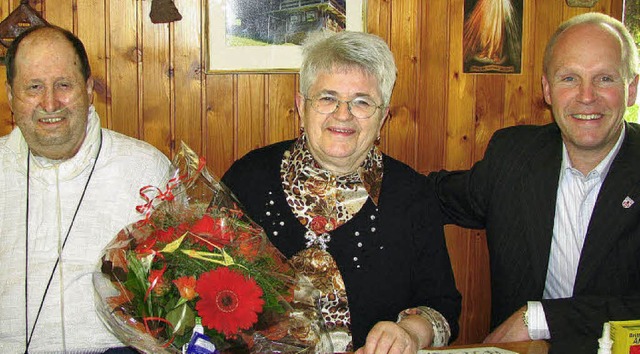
[[90, 89], [7, 88], [546, 89]]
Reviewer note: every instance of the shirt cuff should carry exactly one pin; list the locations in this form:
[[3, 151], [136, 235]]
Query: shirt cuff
[[441, 329], [537, 321]]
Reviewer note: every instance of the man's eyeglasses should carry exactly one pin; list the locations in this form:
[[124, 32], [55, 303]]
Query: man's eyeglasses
[[359, 107]]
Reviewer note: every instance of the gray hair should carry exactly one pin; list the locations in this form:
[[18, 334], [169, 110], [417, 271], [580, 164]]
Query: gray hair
[[629, 55], [325, 51]]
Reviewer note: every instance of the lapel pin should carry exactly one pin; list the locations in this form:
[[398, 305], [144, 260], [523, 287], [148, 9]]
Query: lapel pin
[[627, 202]]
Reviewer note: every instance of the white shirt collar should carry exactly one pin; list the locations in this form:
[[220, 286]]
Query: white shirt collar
[[603, 167]]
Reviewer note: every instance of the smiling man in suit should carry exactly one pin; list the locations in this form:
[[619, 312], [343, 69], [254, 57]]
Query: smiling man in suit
[[561, 202]]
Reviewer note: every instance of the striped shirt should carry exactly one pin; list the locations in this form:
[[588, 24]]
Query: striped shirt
[[576, 198]]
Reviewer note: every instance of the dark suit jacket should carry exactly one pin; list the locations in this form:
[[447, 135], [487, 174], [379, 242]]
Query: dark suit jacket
[[512, 193]]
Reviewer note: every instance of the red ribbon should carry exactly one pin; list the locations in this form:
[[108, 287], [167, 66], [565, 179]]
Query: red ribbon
[[151, 194], [154, 332]]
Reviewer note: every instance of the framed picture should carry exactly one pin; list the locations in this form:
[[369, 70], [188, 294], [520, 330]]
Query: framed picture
[[492, 36], [265, 35]]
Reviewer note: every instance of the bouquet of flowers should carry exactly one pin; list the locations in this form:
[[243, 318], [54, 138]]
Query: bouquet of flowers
[[196, 275]]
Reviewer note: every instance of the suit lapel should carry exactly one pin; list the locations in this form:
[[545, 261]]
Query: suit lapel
[[540, 185], [609, 214]]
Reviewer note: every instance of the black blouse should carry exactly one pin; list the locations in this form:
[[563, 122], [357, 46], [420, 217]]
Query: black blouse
[[392, 256]]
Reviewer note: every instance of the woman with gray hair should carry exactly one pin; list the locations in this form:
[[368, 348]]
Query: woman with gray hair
[[364, 228]]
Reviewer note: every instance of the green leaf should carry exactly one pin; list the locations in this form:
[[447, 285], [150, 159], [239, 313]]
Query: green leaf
[[137, 276], [182, 318]]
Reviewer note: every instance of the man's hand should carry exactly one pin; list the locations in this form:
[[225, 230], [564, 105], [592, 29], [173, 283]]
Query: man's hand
[[405, 337], [511, 330]]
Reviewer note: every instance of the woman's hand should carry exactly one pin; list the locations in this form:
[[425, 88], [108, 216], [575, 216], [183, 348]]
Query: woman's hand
[[405, 337]]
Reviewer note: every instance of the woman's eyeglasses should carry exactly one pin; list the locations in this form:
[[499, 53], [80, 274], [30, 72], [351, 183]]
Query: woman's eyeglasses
[[359, 107]]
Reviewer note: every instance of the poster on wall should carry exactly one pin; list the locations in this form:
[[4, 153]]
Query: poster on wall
[[259, 35], [492, 36]]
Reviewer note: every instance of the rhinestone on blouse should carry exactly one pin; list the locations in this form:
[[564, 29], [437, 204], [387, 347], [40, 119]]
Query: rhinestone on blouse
[[271, 202], [373, 217], [357, 233], [359, 244], [275, 233], [268, 213], [355, 259], [281, 223], [373, 229]]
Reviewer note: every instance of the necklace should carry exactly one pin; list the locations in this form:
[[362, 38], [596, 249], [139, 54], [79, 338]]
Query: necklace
[[28, 336]]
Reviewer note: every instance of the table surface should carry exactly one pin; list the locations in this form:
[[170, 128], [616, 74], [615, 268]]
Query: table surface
[[529, 347]]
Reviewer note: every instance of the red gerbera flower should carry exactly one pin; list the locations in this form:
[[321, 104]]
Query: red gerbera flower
[[212, 231], [229, 302]]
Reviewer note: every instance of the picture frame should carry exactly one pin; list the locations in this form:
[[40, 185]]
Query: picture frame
[[492, 37], [259, 36]]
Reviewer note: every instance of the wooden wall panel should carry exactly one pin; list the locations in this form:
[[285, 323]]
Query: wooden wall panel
[[85, 25], [401, 127], [379, 22], [431, 102], [59, 12], [150, 84], [460, 132], [125, 63], [221, 131], [252, 96], [489, 108], [459, 154], [6, 119], [519, 88], [188, 73], [379, 18], [157, 82], [548, 16], [282, 119]]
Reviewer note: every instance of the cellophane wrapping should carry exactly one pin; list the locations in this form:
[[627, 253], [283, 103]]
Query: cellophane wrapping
[[196, 255]]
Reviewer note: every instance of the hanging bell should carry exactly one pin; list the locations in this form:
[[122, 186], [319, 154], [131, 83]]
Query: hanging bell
[[164, 11]]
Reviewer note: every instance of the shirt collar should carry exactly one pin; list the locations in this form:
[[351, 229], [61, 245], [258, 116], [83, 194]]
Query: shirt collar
[[602, 169]]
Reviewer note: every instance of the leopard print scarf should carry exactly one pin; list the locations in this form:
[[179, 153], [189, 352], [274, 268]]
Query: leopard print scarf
[[321, 201]]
